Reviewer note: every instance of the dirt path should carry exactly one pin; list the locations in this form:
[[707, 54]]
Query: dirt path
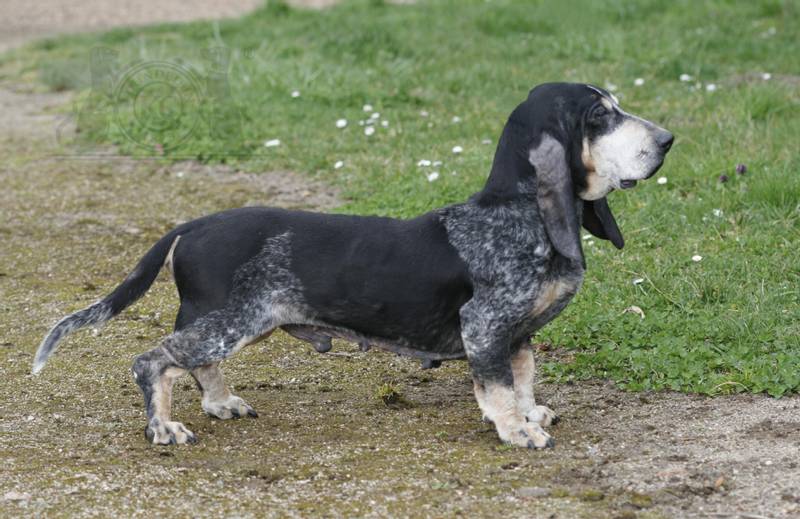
[[71, 439]]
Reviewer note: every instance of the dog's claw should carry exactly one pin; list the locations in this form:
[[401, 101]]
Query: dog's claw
[[541, 415], [232, 407], [168, 433]]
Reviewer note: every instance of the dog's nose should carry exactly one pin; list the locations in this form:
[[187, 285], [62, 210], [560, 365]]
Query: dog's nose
[[664, 140]]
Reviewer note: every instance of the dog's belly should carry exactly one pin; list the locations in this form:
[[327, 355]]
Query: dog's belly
[[319, 336]]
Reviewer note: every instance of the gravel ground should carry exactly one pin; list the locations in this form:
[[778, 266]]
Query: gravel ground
[[325, 444]]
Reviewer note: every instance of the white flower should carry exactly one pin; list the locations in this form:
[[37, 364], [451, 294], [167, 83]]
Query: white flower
[[295, 93], [424, 163], [423, 113], [369, 130], [711, 87], [638, 281], [717, 213], [375, 115], [697, 258], [457, 149], [456, 119], [437, 163], [339, 164], [662, 180], [367, 108], [486, 141], [586, 237], [685, 78], [272, 143], [384, 123], [341, 123], [766, 76], [638, 81], [433, 175]]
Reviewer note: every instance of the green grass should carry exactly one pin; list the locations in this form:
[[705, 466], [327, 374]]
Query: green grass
[[728, 323]]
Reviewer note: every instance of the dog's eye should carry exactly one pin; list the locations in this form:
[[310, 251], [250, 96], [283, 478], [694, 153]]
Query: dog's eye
[[598, 111]]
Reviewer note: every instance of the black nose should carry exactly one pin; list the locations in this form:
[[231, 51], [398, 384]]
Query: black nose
[[665, 139]]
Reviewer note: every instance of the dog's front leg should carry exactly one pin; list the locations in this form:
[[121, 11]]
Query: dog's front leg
[[523, 367], [489, 358]]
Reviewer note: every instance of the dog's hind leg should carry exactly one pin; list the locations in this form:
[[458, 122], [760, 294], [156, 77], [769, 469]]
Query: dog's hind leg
[[217, 398], [203, 343], [218, 401], [156, 372], [523, 367]]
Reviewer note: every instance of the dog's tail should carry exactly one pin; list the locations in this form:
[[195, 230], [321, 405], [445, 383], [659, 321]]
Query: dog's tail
[[132, 288]]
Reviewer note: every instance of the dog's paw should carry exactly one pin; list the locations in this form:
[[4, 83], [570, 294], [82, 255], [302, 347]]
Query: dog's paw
[[542, 415], [168, 433], [232, 407], [530, 436]]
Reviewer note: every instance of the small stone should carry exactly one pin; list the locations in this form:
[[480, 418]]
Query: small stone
[[16, 496], [741, 169], [723, 178], [532, 492]]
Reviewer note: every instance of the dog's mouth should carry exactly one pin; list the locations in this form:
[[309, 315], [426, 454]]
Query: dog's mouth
[[627, 184]]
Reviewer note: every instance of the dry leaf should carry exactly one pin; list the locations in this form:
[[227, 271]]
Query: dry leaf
[[634, 310]]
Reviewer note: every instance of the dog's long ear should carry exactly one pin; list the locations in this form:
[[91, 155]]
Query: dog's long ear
[[598, 220], [556, 197]]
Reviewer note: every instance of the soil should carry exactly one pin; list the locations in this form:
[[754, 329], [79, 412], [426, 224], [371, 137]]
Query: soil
[[326, 442]]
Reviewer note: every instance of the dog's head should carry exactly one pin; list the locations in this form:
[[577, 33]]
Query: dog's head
[[582, 146]]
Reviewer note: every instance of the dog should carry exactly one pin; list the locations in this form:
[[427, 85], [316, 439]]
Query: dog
[[473, 280]]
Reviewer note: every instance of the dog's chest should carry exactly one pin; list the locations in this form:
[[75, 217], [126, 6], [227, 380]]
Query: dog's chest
[[550, 297]]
